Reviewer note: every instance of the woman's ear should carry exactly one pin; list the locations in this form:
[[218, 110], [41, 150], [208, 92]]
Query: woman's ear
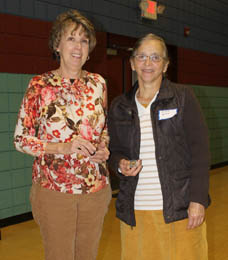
[[132, 64], [166, 67]]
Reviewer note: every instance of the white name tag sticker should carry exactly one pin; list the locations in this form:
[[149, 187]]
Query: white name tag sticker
[[166, 114]]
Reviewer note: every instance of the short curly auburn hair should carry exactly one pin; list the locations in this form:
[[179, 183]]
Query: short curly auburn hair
[[66, 19]]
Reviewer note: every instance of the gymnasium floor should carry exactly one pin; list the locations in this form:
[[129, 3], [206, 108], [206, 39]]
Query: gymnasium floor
[[22, 241]]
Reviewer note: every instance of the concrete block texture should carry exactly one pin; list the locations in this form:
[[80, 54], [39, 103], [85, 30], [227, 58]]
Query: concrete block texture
[[207, 19]]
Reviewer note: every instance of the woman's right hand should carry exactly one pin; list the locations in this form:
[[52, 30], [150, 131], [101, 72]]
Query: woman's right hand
[[82, 146], [126, 170], [78, 145]]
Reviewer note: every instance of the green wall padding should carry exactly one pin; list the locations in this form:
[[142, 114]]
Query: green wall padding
[[16, 168], [214, 104]]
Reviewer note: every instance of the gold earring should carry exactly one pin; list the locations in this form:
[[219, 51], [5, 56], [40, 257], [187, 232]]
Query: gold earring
[[87, 58]]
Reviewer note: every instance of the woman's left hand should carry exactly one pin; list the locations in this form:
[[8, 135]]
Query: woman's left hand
[[196, 214], [102, 153]]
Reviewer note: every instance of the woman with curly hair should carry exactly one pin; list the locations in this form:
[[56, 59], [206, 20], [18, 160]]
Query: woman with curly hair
[[62, 123]]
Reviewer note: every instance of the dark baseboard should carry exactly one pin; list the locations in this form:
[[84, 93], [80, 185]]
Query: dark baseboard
[[28, 216], [219, 165], [15, 219]]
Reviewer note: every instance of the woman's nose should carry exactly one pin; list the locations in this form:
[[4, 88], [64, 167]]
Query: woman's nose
[[78, 44], [148, 60]]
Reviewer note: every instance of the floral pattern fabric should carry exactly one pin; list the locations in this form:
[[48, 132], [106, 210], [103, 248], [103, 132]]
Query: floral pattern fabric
[[56, 110]]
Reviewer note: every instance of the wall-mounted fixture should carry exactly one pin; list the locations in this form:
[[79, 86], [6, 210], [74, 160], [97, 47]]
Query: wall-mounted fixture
[[160, 9], [186, 31], [150, 9]]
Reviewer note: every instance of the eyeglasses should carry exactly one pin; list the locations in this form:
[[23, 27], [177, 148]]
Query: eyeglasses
[[154, 57]]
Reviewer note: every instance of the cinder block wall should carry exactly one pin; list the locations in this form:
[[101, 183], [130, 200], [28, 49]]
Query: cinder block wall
[[202, 59], [214, 103], [206, 19], [16, 168]]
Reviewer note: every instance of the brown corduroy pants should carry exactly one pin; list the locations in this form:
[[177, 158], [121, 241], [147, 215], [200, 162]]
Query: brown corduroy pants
[[70, 224], [153, 239]]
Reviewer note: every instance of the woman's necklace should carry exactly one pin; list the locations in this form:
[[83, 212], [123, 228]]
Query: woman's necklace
[[143, 101], [72, 80]]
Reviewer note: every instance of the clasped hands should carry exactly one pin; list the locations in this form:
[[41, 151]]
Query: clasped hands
[[84, 147]]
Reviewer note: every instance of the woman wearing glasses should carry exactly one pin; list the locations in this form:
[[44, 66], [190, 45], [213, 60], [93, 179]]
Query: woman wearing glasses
[[159, 150]]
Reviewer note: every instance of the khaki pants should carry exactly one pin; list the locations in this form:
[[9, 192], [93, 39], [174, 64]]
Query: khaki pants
[[153, 239], [70, 225]]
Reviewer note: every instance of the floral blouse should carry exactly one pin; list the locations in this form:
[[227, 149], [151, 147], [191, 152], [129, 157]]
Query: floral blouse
[[56, 110]]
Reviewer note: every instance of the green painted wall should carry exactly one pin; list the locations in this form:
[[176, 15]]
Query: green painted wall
[[16, 168], [214, 103]]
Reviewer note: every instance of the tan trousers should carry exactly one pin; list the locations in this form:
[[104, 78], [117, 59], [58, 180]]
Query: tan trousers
[[70, 225], [153, 239]]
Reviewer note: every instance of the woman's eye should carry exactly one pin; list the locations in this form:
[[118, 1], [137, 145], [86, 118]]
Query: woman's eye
[[142, 57], [156, 57], [71, 38], [86, 41]]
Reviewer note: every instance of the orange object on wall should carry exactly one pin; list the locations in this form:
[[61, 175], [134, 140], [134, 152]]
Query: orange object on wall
[[148, 9], [186, 31], [151, 7]]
